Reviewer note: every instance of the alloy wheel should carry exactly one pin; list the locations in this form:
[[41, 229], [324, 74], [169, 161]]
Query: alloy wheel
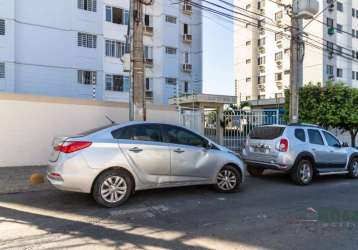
[[226, 180], [305, 173], [113, 189], [355, 168]]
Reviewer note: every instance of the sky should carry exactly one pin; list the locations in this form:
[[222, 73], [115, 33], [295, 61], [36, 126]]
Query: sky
[[218, 55]]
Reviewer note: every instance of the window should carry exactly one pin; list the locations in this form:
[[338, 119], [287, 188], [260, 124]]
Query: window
[[170, 50], [148, 86], [248, 79], [117, 83], [248, 61], [339, 50], [339, 28], [117, 15], [330, 22], [340, 6], [176, 135], [353, 32], [353, 75], [186, 56], [142, 132], [170, 19], [329, 70], [353, 12], [2, 70], [356, 75], [148, 20], [331, 140], [89, 5], [248, 98], [356, 13], [260, 4], [248, 43], [186, 87], [266, 133], [330, 46], [87, 40], [278, 76], [86, 77], [171, 80], [115, 48], [261, 42], [287, 72], [315, 137], [261, 97], [186, 29], [261, 60], [278, 95], [2, 27], [300, 135], [278, 15], [278, 36], [339, 72], [248, 6], [278, 56], [261, 79], [148, 52]]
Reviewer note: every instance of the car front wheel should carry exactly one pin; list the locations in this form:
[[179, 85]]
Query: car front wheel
[[302, 173], [112, 188], [228, 180], [353, 168]]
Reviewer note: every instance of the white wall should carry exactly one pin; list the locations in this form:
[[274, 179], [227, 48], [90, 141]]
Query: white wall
[[29, 123]]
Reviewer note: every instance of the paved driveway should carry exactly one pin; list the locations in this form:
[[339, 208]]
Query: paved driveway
[[268, 213]]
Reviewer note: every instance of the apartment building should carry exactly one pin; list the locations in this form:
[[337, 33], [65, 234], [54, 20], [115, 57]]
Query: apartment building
[[262, 51], [75, 47]]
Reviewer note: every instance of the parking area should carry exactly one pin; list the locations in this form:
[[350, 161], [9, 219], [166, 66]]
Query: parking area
[[268, 213]]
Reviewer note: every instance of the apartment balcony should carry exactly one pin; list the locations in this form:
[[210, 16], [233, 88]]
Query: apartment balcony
[[148, 62], [187, 38], [186, 67], [261, 68], [148, 30], [187, 8]]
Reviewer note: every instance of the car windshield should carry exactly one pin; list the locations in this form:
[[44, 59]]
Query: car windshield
[[266, 133]]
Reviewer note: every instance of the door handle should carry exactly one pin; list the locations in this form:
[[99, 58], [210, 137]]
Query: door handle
[[136, 150], [313, 149], [179, 150]]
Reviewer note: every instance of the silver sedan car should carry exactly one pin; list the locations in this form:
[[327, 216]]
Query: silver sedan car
[[114, 161]]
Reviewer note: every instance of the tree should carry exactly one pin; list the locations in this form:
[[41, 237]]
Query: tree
[[335, 105]]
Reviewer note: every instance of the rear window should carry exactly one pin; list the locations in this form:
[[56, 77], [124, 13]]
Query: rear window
[[91, 131], [266, 133]]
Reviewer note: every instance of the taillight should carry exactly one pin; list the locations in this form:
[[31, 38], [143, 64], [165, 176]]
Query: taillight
[[73, 146], [283, 147]]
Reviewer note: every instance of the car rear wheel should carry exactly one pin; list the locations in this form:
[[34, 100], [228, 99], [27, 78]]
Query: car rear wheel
[[353, 168], [112, 188], [255, 171], [302, 173], [228, 180]]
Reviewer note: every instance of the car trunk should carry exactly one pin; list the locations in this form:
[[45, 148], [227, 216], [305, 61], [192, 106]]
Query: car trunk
[[262, 143]]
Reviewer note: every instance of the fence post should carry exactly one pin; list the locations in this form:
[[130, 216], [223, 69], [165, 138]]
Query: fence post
[[219, 129], [277, 116]]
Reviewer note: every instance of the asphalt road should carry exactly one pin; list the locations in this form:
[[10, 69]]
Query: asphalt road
[[268, 213]]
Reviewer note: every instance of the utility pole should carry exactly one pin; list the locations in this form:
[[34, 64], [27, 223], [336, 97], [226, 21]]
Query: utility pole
[[303, 9], [137, 102], [296, 61]]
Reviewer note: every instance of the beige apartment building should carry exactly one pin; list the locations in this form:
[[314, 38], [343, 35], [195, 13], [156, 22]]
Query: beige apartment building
[[262, 47]]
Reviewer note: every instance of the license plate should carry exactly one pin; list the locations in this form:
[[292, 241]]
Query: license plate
[[261, 150]]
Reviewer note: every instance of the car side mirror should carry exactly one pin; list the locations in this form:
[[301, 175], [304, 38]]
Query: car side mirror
[[207, 145], [345, 144]]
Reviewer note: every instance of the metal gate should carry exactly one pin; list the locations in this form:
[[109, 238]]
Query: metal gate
[[234, 125]]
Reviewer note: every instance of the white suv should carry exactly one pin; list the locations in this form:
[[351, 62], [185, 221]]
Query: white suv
[[300, 149]]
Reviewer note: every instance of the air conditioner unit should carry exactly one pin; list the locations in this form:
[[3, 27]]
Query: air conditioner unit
[[187, 8], [261, 68], [262, 11], [279, 62], [148, 30], [262, 32], [186, 67], [279, 22], [279, 84], [148, 62], [187, 38], [262, 49], [279, 43], [261, 87]]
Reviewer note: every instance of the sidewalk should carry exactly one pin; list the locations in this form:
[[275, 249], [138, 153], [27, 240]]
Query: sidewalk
[[17, 179]]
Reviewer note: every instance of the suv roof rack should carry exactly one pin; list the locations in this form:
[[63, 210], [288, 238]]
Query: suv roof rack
[[304, 125]]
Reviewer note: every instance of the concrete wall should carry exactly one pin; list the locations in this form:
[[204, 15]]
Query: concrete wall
[[29, 123]]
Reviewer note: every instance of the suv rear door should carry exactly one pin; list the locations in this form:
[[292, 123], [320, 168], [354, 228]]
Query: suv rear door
[[262, 143]]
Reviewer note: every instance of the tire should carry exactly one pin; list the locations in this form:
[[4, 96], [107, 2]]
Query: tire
[[353, 168], [112, 188], [228, 180], [255, 171], [302, 173]]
